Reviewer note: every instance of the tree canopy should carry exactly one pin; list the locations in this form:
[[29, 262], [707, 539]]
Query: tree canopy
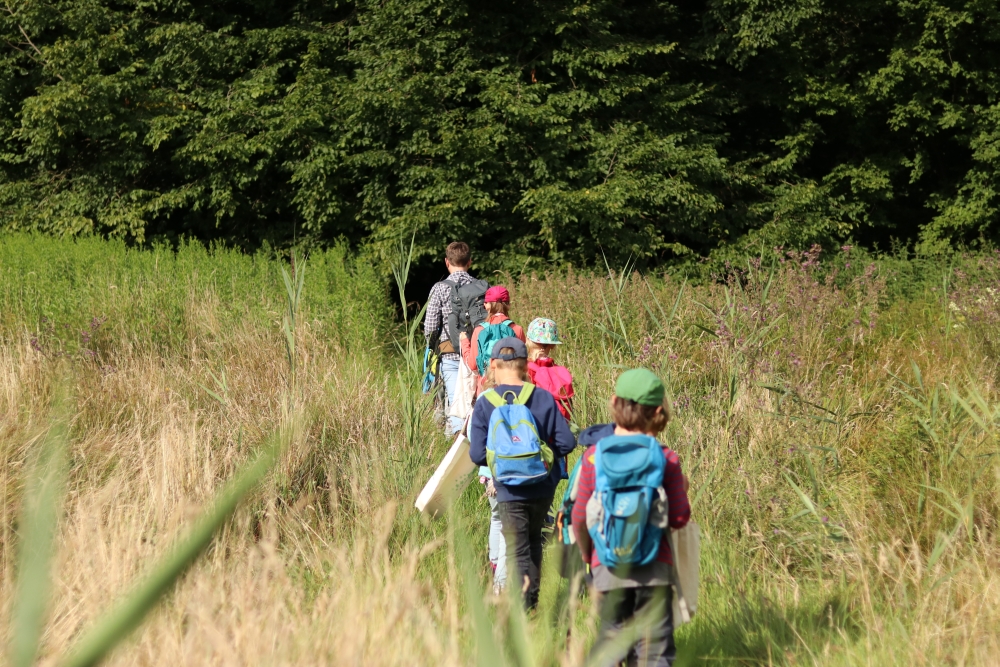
[[538, 130]]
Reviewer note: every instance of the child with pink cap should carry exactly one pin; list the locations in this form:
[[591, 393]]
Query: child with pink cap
[[476, 350]]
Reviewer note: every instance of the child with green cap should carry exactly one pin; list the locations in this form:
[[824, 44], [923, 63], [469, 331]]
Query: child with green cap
[[638, 575], [543, 337]]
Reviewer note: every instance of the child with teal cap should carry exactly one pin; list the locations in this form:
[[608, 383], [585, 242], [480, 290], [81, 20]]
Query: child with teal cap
[[543, 337]]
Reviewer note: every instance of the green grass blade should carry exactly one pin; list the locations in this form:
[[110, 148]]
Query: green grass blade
[[677, 301], [300, 275], [704, 486], [518, 637], [289, 291], [39, 521], [918, 377], [487, 652], [613, 335], [616, 648], [401, 270], [212, 394], [806, 500], [929, 430], [763, 332], [767, 287], [110, 630], [706, 330], [664, 321], [941, 544], [706, 307], [976, 417], [976, 397]]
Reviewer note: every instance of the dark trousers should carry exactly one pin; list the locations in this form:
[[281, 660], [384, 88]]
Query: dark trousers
[[654, 646], [522, 522]]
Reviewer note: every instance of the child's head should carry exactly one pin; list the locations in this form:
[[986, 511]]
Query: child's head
[[542, 336], [639, 403], [497, 300], [536, 350], [509, 360]]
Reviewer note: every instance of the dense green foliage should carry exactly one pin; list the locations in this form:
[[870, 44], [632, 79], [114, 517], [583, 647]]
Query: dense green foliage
[[555, 130]]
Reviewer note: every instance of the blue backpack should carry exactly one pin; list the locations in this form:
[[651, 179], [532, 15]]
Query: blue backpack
[[626, 515], [515, 452], [488, 337]]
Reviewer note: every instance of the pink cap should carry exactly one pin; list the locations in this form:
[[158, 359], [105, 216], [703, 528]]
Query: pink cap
[[497, 293]]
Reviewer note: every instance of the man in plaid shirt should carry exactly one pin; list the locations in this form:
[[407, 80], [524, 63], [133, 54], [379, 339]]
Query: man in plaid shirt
[[457, 258]]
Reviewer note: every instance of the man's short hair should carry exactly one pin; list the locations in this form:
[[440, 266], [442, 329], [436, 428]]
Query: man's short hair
[[458, 254]]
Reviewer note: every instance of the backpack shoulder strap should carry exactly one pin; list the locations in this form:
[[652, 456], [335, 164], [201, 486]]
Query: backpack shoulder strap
[[525, 393], [573, 488], [451, 324], [493, 397]]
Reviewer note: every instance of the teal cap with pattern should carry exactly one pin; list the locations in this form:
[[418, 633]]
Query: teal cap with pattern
[[543, 331]]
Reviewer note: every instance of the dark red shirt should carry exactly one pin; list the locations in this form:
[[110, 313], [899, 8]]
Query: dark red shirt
[[679, 511]]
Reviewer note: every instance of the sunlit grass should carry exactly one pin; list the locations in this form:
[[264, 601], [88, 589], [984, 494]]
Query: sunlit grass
[[838, 423]]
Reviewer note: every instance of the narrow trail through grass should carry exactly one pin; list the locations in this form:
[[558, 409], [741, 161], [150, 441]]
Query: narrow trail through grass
[[838, 421]]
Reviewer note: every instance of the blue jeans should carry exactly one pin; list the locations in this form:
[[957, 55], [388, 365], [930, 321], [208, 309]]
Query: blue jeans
[[449, 373], [498, 548]]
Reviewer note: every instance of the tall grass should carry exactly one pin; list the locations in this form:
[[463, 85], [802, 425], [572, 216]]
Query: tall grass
[[838, 420], [848, 486]]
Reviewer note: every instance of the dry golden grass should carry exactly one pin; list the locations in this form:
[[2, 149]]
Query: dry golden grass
[[146, 457]]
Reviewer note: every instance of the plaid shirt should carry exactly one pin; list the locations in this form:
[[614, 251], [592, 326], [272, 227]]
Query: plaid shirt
[[679, 511], [439, 308]]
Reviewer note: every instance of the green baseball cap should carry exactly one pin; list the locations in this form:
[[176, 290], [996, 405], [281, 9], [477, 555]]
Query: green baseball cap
[[640, 385]]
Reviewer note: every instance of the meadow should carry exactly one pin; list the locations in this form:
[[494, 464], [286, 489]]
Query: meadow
[[836, 412]]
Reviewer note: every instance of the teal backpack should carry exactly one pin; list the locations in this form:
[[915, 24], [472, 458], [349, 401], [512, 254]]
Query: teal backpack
[[565, 517], [569, 561], [488, 337], [515, 452], [626, 514]]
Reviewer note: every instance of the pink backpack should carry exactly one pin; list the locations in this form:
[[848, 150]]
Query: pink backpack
[[557, 380]]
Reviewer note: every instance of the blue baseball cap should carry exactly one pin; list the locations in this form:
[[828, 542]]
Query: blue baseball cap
[[520, 351]]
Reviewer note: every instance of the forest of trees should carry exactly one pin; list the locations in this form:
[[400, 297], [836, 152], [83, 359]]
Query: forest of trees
[[547, 130]]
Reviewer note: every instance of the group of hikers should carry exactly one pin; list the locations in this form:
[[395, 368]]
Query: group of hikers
[[625, 494]]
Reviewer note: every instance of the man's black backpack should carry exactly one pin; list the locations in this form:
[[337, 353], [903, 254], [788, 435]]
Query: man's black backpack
[[467, 309]]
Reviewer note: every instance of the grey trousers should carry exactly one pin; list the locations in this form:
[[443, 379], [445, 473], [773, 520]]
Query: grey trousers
[[654, 647]]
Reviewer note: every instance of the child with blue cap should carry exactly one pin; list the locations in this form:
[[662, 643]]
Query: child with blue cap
[[525, 484]]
